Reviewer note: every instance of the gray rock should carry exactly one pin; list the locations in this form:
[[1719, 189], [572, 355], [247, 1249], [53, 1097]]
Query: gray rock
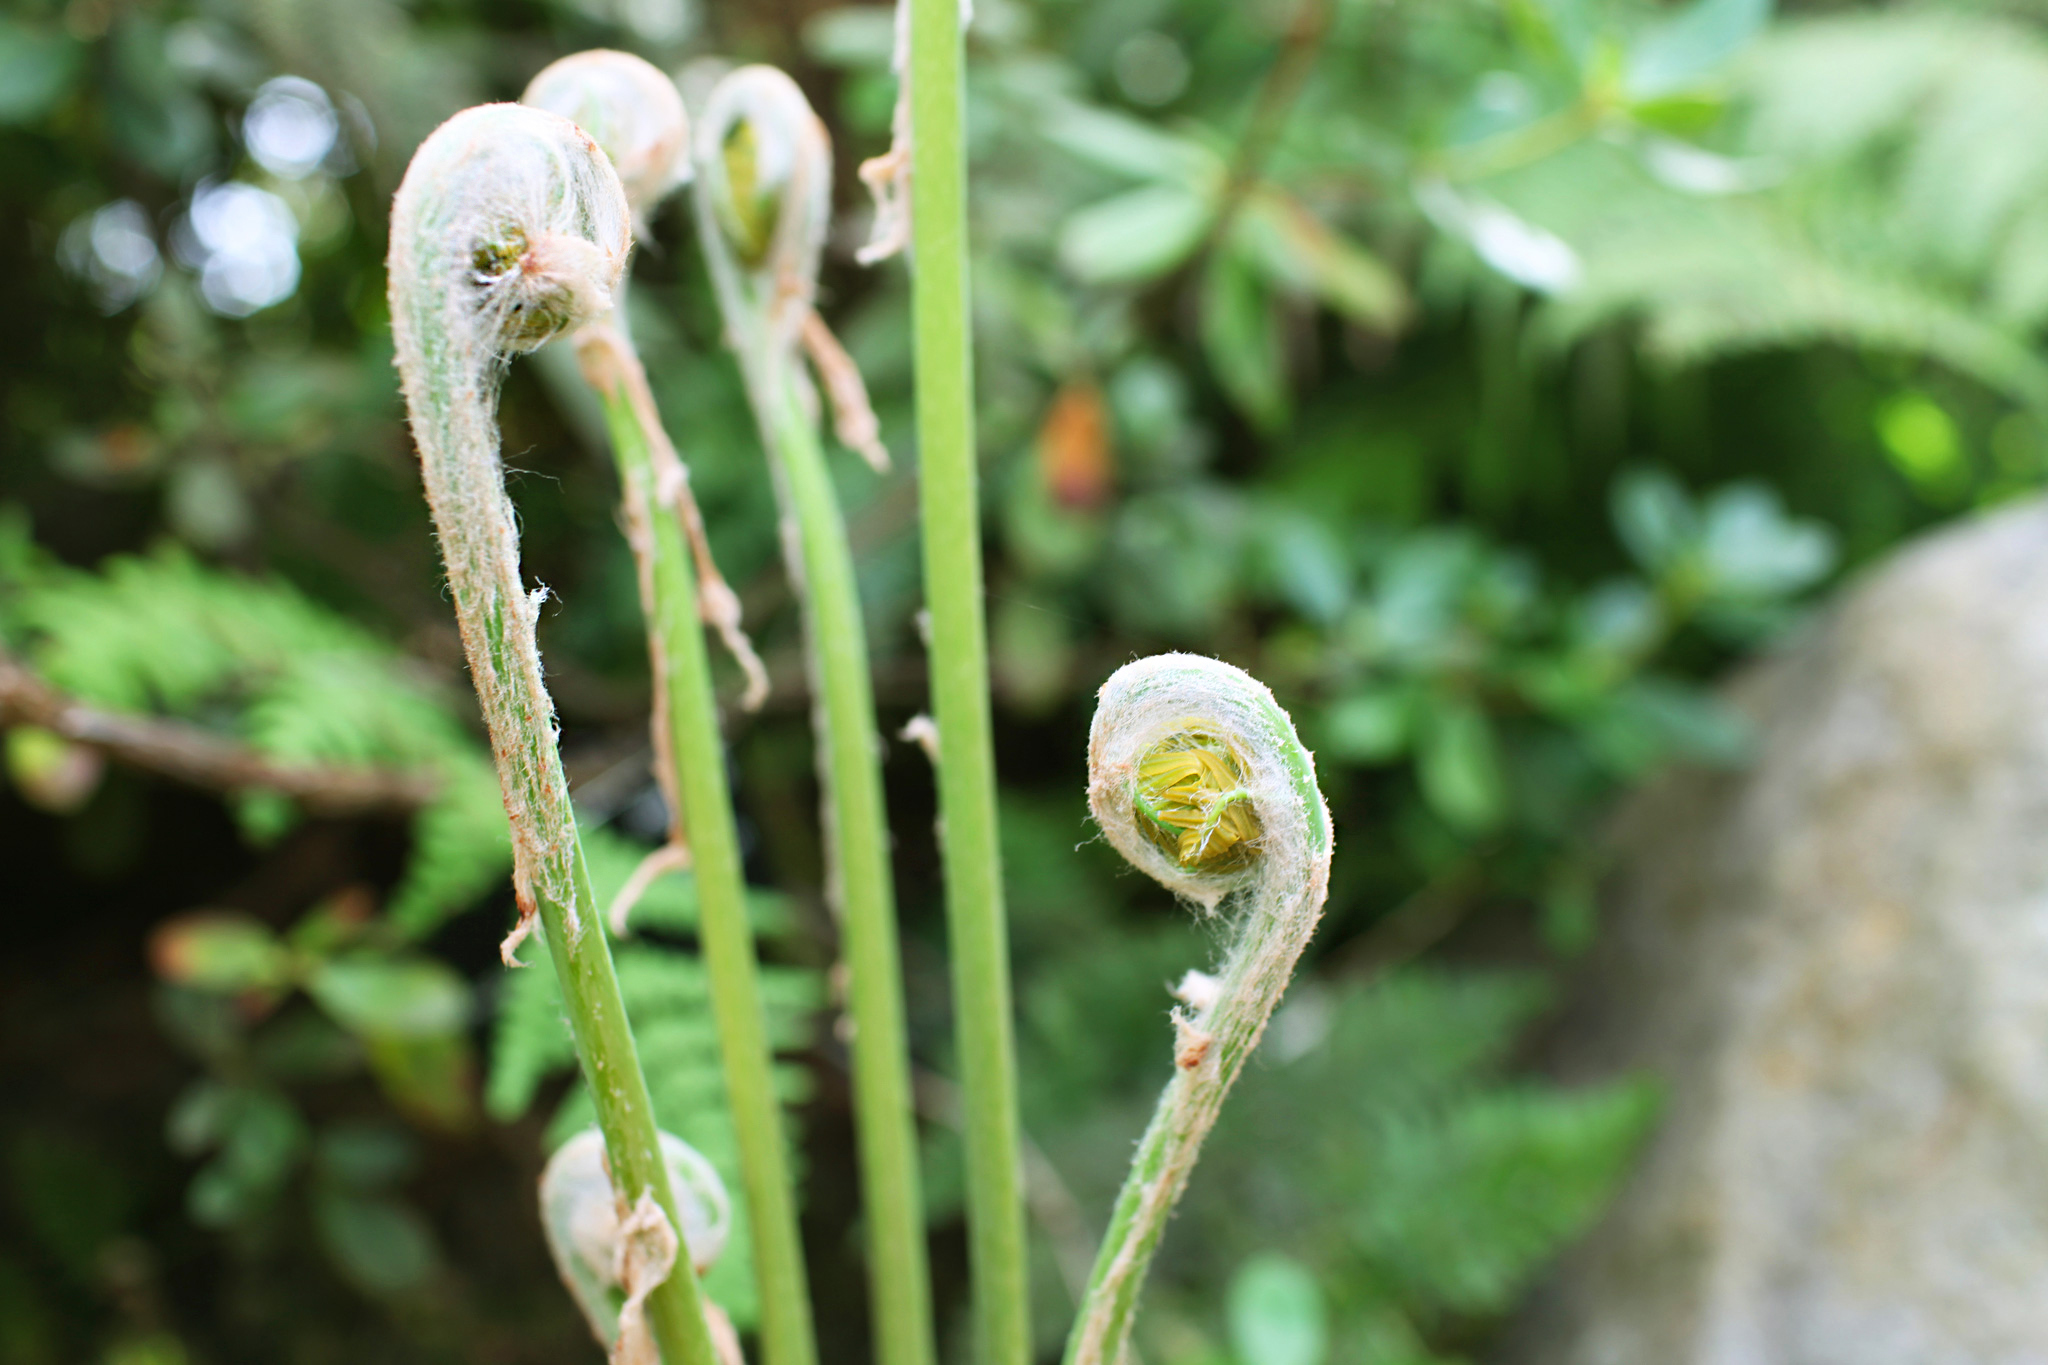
[[1838, 961]]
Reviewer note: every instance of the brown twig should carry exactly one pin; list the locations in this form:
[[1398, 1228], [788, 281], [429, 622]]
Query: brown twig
[[1282, 86], [193, 756]]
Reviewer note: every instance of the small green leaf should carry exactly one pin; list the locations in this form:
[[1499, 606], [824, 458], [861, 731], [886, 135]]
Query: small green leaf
[[1277, 1315], [36, 70], [1459, 767], [1125, 146], [1654, 517], [1367, 727], [1680, 52], [219, 951], [1138, 235], [375, 996], [1241, 335], [381, 1244]]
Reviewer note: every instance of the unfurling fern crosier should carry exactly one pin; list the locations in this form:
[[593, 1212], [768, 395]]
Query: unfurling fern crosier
[[1196, 776], [509, 228]]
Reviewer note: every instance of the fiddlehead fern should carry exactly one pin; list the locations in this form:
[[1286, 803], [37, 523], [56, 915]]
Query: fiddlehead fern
[[644, 127], [1196, 776], [510, 226], [764, 174], [610, 1261]]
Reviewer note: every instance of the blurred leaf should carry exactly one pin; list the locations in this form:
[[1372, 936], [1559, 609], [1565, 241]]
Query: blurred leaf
[[379, 996], [1459, 766], [260, 1136], [1750, 548], [859, 36], [366, 1155], [37, 69], [1276, 1313], [1921, 439], [1305, 563], [1125, 146], [1367, 727], [381, 1244], [1678, 51], [220, 950], [430, 1078], [1136, 236], [1650, 719], [49, 771], [1620, 619], [1241, 337], [1292, 247], [1653, 516]]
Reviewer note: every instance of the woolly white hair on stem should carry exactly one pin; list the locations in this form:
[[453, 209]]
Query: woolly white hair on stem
[[634, 112], [1196, 776], [509, 228]]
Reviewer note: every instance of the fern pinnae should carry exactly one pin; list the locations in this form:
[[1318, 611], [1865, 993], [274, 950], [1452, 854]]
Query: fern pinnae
[[764, 175], [1196, 776], [510, 227]]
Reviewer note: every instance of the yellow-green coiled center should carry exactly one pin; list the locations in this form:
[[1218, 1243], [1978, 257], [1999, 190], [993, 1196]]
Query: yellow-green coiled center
[[1191, 802], [500, 266], [748, 209]]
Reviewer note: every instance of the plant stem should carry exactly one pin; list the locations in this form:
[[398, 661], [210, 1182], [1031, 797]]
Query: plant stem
[[683, 668], [762, 240], [951, 509], [625, 1115], [857, 838], [511, 227], [1149, 708]]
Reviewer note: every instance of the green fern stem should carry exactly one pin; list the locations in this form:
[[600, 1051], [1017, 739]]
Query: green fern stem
[[950, 508], [509, 228], [1196, 776], [683, 667], [763, 197], [857, 837]]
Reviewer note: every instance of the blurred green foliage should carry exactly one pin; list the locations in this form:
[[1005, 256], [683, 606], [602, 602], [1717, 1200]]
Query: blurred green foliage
[[1486, 375]]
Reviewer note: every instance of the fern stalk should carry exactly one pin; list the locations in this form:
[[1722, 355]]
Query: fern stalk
[[950, 508], [1196, 776], [764, 177], [636, 115], [510, 227], [787, 1331]]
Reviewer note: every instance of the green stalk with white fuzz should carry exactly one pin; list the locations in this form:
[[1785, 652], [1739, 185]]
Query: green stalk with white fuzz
[[787, 1332], [635, 113], [1196, 776], [950, 506], [763, 184], [509, 228]]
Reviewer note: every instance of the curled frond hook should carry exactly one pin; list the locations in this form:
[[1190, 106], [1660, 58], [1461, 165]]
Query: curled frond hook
[[509, 228], [633, 111], [764, 180], [609, 1256], [1196, 776], [764, 201]]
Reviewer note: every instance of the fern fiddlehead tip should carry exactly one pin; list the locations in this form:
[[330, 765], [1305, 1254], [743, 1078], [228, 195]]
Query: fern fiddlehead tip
[[632, 111], [1197, 777]]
